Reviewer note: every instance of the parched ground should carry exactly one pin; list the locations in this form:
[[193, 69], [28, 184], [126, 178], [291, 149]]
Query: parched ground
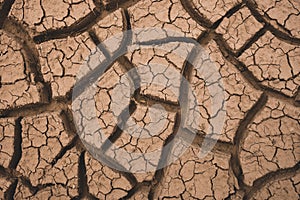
[[255, 46]]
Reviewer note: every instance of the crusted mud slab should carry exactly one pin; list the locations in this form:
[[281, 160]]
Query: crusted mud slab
[[255, 47]]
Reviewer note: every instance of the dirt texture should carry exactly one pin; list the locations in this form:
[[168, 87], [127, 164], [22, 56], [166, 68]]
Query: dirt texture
[[255, 46]]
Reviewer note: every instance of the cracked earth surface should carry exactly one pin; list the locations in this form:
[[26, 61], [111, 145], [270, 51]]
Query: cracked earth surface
[[255, 46]]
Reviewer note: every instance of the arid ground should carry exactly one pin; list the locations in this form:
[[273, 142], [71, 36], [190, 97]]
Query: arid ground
[[255, 48]]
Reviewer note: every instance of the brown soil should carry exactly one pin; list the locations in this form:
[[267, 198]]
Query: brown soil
[[255, 46]]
